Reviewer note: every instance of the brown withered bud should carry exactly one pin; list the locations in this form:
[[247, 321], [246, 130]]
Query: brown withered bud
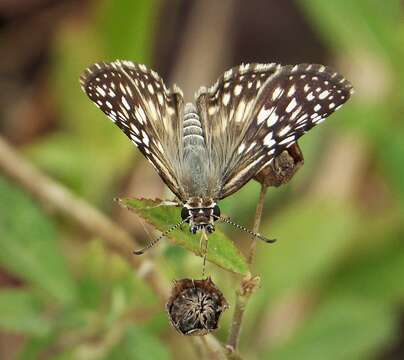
[[195, 306], [282, 168]]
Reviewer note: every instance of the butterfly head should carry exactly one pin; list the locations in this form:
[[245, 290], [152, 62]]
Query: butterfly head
[[201, 214]]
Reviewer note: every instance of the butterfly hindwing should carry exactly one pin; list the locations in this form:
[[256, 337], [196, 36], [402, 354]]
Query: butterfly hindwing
[[137, 101]]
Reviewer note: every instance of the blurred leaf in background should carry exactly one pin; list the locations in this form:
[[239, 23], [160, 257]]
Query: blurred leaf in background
[[28, 245]]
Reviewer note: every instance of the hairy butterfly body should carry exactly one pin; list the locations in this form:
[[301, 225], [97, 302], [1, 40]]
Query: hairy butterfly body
[[206, 151]]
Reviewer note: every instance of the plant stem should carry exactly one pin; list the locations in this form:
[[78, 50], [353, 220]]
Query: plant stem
[[247, 285], [257, 222]]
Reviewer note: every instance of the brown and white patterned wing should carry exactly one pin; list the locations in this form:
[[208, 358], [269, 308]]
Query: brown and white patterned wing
[[247, 129], [138, 102]]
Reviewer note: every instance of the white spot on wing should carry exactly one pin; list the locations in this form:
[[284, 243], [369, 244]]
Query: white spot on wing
[[287, 140], [310, 96], [295, 113], [241, 148], [145, 138], [292, 104], [226, 99], [160, 98], [292, 90], [324, 94], [252, 145], [263, 114], [100, 91], [141, 116], [284, 131], [237, 89], [273, 118], [301, 118], [277, 92], [125, 103], [129, 90], [268, 141], [134, 128]]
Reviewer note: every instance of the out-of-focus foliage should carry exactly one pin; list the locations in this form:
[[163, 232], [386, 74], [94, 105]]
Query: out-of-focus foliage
[[28, 246], [331, 287]]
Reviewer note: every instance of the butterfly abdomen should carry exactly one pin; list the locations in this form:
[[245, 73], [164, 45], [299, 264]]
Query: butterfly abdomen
[[194, 156], [192, 131]]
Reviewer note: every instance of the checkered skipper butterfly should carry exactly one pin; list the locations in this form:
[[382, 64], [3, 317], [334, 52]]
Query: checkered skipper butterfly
[[207, 151]]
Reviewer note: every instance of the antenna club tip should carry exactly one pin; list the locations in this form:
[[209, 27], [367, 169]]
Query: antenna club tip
[[138, 252]]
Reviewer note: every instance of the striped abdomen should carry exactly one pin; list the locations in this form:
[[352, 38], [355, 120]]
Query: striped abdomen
[[195, 181], [192, 132]]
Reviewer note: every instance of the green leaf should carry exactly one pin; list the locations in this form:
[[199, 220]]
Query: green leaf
[[28, 244], [21, 313], [139, 344], [221, 250], [342, 328]]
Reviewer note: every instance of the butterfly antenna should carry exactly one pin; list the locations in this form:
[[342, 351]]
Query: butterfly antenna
[[241, 227], [155, 241]]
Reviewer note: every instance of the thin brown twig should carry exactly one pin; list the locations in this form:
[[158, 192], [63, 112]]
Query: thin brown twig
[[213, 351], [257, 222], [247, 286]]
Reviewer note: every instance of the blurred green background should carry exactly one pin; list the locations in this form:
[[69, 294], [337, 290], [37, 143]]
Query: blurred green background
[[333, 285]]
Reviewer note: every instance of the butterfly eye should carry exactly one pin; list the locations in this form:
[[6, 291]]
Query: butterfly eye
[[216, 212], [185, 213], [210, 228]]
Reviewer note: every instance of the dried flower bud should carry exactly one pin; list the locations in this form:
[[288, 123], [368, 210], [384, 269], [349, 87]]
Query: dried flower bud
[[195, 306], [282, 168]]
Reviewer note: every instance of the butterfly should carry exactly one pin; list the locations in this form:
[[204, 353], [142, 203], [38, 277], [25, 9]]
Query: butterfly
[[208, 150]]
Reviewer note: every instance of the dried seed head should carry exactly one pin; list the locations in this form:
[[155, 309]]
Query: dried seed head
[[282, 168], [195, 306]]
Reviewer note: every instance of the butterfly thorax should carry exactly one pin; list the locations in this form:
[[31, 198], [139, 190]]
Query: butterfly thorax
[[200, 213]]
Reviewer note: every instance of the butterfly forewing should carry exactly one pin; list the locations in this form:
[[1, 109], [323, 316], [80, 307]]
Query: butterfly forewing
[[136, 99], [289, 102], [227, 105]]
